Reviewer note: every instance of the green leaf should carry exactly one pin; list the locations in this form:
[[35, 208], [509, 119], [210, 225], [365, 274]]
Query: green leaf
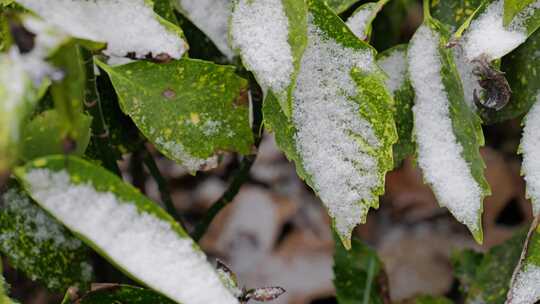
[[165, 9], [36, 244], [529, 150], [484, 278], [394, 63], [454, 12], [189, 109], [356, 273], [341, 121], [447, 132], [513, 7], [465, 265], [522, 70], [68, 93], [360, 22], [129, 230], [272, 55], [339, 6], [522, 13], [526, 277], [388, 26], [123, 294], [44, 135]]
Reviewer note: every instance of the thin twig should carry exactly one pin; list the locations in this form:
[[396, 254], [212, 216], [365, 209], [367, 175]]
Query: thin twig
[[166, 198], [241, 175], [94, 107]]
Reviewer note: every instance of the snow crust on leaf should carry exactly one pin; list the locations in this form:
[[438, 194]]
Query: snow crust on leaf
[[211, 17], [139, 242], [332, 139], [125, 25], [488, 36], [439, 152], [530, 143], [361, 19], [525, 288], [395, 67], [260, 31], [191, 162]]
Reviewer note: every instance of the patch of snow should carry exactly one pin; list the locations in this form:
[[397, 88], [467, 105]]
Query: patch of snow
[[395, 66], [211, 17], [530, 144], [358, 22], [178, 152], [125, 25], [329, 128], [526, 286], [260, 31], [487, 34], [518, 23], [468, 79], [139, 242], [35, 223], [439, 153]]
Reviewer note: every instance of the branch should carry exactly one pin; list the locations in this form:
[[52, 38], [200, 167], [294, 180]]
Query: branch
[[241, 175], [150, 164]]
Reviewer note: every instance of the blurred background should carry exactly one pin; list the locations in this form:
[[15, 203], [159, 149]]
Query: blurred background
[[276, 231]]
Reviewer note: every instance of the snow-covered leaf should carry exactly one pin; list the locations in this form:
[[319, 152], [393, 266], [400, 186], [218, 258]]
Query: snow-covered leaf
[[486, 38], [394, 63], [522, 70], [212, 18], [36, 244], [360, 21], [341, 131], [44, 135], [513, 7], [271, 36], [127, 26], [123, 294], [339, 6], [524, 287], [530, 144], [447, 132], [356, 274], [485, 277], [454, 12], [17, 99], [522, 13], [190, 109], [128, 229], [24, 76]]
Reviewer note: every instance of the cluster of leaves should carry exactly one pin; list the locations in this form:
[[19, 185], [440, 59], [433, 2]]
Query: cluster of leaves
[[75, 97]]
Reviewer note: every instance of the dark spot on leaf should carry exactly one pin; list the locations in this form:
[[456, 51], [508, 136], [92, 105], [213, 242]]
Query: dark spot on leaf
[[243, 98], [23, 38], [162, 58], [69, 145], [169, 93]]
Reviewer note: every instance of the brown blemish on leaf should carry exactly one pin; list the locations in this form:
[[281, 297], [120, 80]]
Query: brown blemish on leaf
[[162, 58], [169, 93], [243, 98]]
